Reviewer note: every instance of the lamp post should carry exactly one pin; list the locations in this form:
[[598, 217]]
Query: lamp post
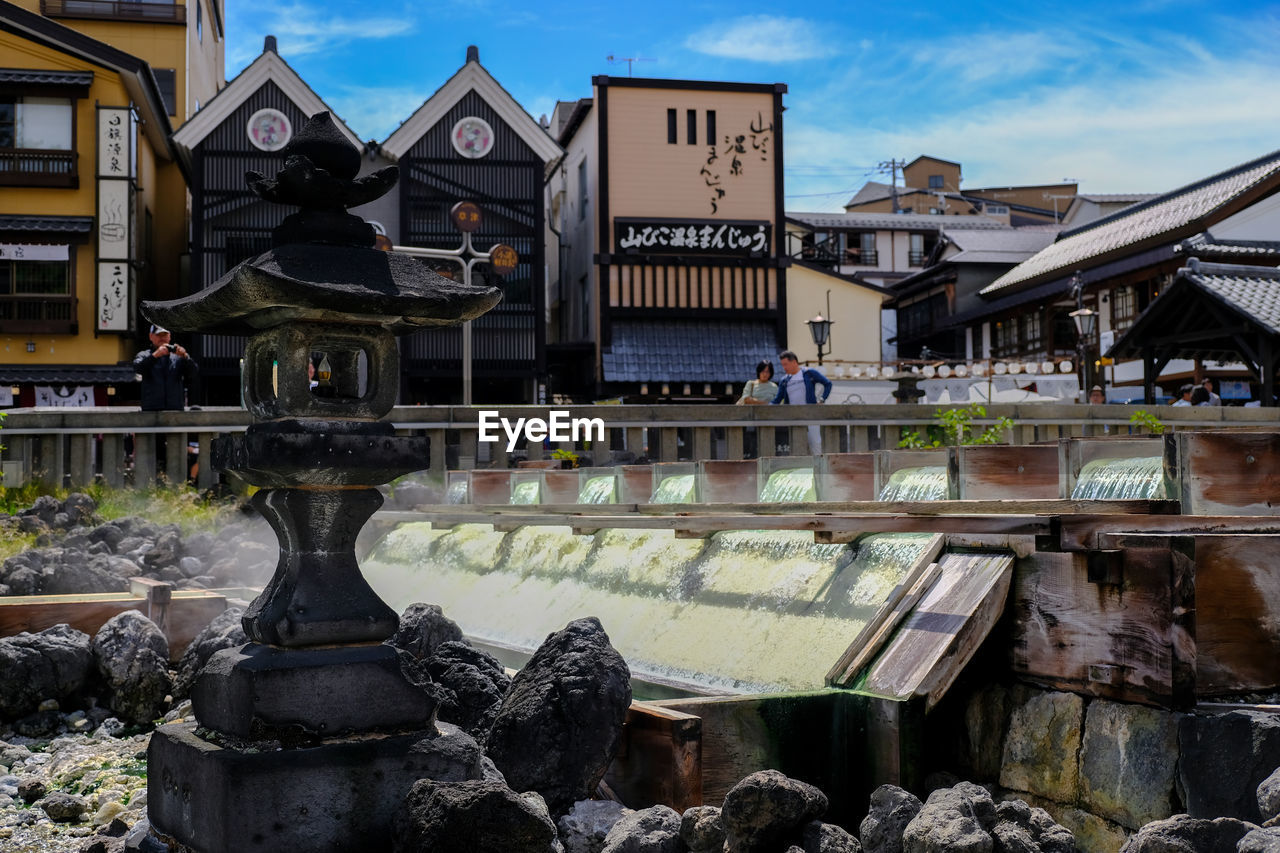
[[820, 329], [1086, 320]]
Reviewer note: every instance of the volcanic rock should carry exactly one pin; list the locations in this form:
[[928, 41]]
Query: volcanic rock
[[465, 817], [1223, 760], [585, 827], [477, 682], [702, 830], [767, 807], [132, 656], [51, 664], [423, 627], [892, 809], [1185, 834], [652, 830], [224, 632], [561, 720], [63, 807], [953, 820]]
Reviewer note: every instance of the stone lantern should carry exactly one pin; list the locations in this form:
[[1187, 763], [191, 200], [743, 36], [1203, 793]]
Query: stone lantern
[[310, 735]]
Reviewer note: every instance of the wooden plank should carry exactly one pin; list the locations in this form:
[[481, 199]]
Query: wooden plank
[[1230, 473], [1237, 614], [1087, 532], [944, 630], [659, 758], [1133, 512], [996, 473], [882, 623]]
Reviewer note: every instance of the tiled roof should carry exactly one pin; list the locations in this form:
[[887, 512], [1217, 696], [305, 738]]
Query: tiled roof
[[1000, 240], [687, 350], [897, 221], [67, 374], [50, 224], [871, 191], [40, 77], [1253, 291], [1205, 246], [1116, 198], [1160, 216]]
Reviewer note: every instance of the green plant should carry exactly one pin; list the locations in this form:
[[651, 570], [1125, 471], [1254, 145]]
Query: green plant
[[1142, 419], [955, 427], [566, 455]]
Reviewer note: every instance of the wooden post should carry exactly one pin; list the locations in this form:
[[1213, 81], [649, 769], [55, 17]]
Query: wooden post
[[53, 459], [831, 435], [81, 459], [467, 445], [113, 459], [890, 435], [175, 459], [206, 477], [667, 440], [144, 460], [435, 453], [799, 440], [766, 443], [701, 443], [634, 438], [859, 438], [733, 442]]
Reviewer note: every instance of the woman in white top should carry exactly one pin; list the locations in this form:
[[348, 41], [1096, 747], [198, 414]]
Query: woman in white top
[[761, 390]]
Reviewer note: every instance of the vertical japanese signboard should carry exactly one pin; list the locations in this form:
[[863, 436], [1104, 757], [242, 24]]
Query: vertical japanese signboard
[[117, 133]]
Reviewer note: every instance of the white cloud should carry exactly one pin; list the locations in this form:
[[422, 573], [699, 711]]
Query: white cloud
[[761, 38], [374, 112], [303, 29]]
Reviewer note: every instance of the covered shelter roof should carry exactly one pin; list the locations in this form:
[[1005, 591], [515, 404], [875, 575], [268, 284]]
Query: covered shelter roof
[[1218, 312]]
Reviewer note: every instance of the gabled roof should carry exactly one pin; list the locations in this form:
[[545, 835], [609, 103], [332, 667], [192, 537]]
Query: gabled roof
[[934, 159], [267, 67], [1205, 246], [871, 191], [1002, 241], [1201, 313], [471, 76], [895, 221], [135, 73], [1165, 218]]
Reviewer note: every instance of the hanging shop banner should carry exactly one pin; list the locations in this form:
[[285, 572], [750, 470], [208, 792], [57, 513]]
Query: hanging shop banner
[[117, 137], [64, 396], [115, 296], [115, 220], [33, 252], [744, 239]]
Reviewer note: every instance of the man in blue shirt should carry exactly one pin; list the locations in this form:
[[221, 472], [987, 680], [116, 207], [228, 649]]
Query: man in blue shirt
[[799, 386]]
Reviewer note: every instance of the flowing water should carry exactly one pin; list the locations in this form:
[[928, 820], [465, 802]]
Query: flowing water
[[747, 611], [598, 490], [927, 483], [676, 489], [526, 493], [1134, 478], [457, 493]]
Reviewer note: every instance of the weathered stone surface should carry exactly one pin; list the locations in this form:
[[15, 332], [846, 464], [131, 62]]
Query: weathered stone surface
[[1092, 834], [63, 807], [1021, 827], [31, 789], [986, 717], [819, 837], [423, 627], [223, 632], [463, 817], [1223, 760], [51, 664], [1261, 841], [1269, 796], [701, 830], [652, 830], [953, 820], [892, 809], [561, 720], [1041, 748], [132, 656], [1184, 834], [1128, 762], [767, 807], [585, 827], [476, 682]]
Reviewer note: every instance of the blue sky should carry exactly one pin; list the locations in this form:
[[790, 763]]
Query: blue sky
[[1128, 96]]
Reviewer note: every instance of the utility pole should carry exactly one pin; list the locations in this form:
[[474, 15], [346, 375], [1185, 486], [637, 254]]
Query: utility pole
[[893, 166]]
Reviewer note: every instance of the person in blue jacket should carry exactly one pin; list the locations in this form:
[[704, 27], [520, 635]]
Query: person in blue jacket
[[800, 386]]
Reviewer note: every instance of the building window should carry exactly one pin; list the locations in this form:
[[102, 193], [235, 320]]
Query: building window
[[35, 141], [671, 127], [711, 127], [1124, 307], [167, 80], [36, 296], [1031, 337], [935, 182], [915, 255], [1004, 338], [199, 21], [862, 249], [584, 308], [582, 190], [691, 120]]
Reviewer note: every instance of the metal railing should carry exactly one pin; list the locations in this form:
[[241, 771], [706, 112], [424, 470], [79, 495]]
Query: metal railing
[[30, 167], [119, 10], [73, 446]]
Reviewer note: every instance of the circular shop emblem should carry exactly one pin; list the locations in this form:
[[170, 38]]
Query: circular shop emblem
[[472, 137], [269, 129]]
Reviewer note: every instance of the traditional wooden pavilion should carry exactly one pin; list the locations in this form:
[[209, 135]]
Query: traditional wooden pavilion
[[1220, 312]]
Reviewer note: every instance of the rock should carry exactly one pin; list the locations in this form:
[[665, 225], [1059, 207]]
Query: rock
[[108, 812], [701, 830], [1261, 841], [822, 837], [464, 817], [45, 508], [53, 663], [225, 631], [1128, 762], [109, 533], [31, 789], [767, 807], [1223, 759], [1042, 746], [191, 566], [1185, 834], [1269, 796], [81, 573], [24, 580], [652, 830], [108, 728], [38, 725], [892, 809], [62, 807], [561, 720], [423, 627], [167, 550], [32, 524], [585, 827], [79, 507], [199, 544], [132, 656], [477, 681], [1020, 827], [952, 820]]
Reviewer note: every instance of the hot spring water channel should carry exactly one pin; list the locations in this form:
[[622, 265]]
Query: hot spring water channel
[[743, 611]]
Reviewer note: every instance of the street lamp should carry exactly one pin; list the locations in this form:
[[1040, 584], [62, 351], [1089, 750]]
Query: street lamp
[[820, 329], [1086, 320]]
